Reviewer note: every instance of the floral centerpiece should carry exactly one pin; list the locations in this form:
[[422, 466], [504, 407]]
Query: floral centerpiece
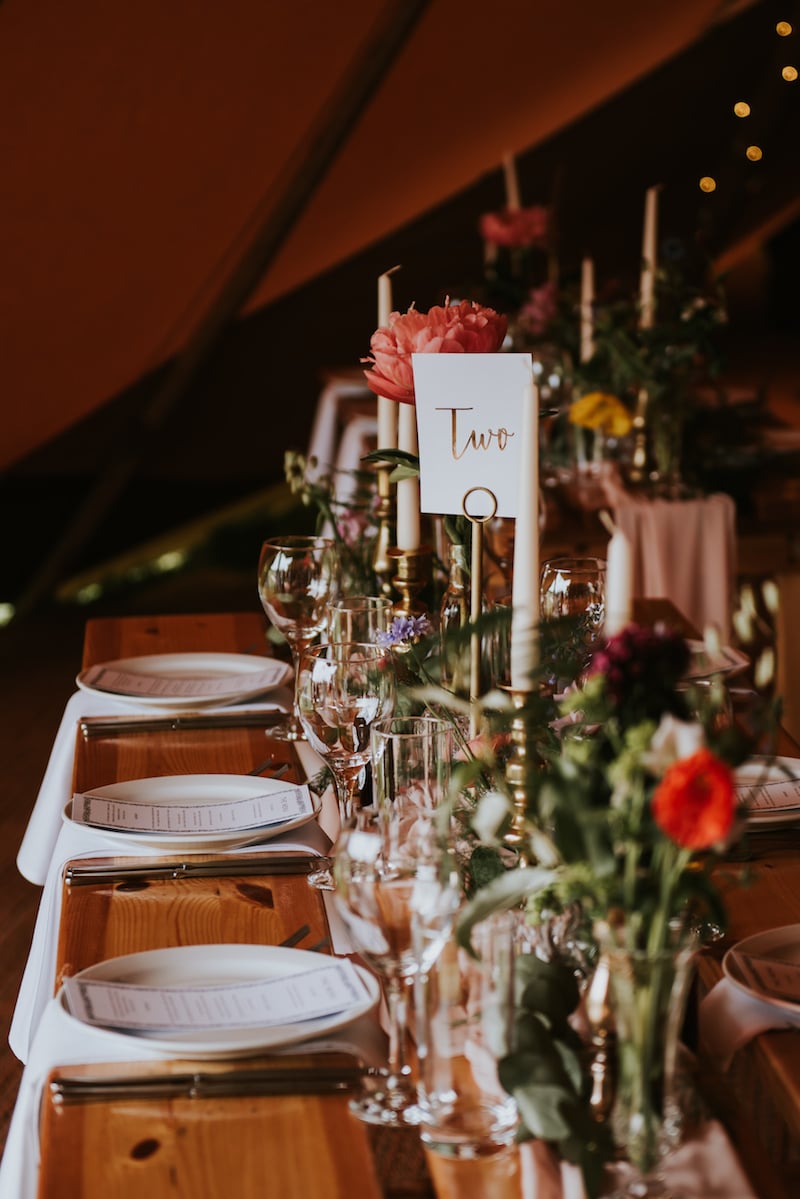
[[630, 801]]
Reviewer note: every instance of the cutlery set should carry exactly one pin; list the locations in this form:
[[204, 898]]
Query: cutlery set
[[104, 726], [228, 866]]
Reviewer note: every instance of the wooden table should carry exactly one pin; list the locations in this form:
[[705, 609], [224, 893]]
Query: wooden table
[[311, 1146]]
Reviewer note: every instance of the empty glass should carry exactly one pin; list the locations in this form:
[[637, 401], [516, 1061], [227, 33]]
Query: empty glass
[[359, 617], [574, 589], [296, 578]]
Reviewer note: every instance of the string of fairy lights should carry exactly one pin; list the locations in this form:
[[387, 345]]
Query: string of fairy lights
[[742, 110]]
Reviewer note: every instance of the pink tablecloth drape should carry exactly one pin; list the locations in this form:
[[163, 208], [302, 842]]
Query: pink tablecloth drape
[[683, 550]]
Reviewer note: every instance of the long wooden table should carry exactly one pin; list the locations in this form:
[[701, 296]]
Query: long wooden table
[[311, 1146]]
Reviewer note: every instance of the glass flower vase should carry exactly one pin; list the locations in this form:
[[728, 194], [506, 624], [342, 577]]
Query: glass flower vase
[[647, 996]]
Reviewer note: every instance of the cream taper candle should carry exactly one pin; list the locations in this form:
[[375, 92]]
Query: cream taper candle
[[587, 309], [407, 489], [512, 183], [619, 583], [647, 282], [525, 583], [387, 409]]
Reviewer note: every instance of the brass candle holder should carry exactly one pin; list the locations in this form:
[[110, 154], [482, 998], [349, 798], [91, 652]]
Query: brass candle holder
[[382, 563], [518, 767], [413, 571], [638, 468]]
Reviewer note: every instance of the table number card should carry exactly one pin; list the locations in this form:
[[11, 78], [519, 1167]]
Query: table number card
[[287, 999], [469, 422], [251, 811]]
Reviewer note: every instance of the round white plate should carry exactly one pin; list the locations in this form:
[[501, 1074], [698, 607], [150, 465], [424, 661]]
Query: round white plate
[[204, 965], [724, 661], [185, 680], [192, 791], [756, 772], [782, 943]]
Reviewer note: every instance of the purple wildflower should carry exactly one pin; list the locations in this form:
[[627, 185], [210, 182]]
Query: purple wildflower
[[404, 628]]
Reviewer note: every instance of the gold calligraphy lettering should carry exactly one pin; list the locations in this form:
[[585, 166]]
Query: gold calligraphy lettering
[[474, 440]]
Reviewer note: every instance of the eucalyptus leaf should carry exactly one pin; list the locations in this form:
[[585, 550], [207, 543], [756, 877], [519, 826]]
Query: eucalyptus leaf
[[507, 891]]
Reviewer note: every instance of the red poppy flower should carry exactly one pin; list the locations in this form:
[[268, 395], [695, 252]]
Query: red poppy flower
[[695, 802]]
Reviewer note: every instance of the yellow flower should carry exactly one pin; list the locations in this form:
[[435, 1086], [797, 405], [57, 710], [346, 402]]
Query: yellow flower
[[598, 410]]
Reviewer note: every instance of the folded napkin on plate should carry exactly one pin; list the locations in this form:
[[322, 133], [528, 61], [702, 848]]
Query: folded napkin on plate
[[729, 1018], [76, 841], [38, 842], [62, 1041]]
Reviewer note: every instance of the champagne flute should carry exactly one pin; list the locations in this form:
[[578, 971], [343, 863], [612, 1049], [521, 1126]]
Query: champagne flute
[[399, 905], [342, 688], [296, 577]]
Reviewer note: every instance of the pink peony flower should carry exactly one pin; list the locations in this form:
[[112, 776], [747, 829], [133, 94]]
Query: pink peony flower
[[516, 228], [465, 328]]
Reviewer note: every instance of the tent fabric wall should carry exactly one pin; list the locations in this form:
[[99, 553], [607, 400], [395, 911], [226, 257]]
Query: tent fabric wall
[[140, 140]]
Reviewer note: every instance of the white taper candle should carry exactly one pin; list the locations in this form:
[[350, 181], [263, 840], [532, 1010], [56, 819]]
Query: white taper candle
[[407, 489], [525, 583], [647, 282], [512, 183], [387, 409], [619, 583], [587, 309]]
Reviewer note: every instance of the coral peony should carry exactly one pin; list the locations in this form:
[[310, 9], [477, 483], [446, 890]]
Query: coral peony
[[515, 228], [465, 328], [695, 802]]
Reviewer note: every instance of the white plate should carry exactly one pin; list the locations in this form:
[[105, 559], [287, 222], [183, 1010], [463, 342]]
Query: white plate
[[725, 661], [202, 965], [195, 790], [185, 680], [781, 943], [759, 771]]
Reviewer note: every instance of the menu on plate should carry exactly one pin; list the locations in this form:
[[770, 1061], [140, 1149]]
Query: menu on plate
[[226, 816], [124, 682], [771, 795], [287, 999], [772, 977]]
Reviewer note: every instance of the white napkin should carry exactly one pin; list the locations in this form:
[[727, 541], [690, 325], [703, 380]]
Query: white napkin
[[61, 1040], [729, 1018], [38, 842]]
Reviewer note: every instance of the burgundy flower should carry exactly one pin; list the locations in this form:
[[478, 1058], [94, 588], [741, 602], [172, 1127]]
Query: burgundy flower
[[642, 667]]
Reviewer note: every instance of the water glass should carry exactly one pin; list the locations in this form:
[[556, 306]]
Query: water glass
[[412, 759], [359, 617], [464, 1024]]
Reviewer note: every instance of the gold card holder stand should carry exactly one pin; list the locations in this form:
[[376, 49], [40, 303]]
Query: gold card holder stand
[[477, 521]]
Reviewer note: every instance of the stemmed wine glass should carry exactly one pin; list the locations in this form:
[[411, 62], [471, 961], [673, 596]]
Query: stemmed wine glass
[[399, 903], [342, 688], [575, 588], [296, 579]]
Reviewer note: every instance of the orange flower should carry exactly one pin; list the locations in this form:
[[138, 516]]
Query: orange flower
[[465, 328], [695, 802]]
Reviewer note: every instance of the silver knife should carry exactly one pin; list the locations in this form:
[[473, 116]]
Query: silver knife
[[158, 868], [103, 726], [292, 1080]]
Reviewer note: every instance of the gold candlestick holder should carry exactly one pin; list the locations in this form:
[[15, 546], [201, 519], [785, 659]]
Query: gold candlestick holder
[[638, 468], [382, 563], [518, 767], [413, 571]]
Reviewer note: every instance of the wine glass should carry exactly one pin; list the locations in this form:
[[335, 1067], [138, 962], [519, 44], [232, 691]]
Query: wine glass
[[359, 617], [399, 904], [575, 588], [296, 577], [342, 688]]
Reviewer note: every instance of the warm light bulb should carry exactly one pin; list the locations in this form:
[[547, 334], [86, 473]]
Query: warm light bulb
[[741, 109], [707, 184], [789, 74], [753, 153], [783, 29]]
